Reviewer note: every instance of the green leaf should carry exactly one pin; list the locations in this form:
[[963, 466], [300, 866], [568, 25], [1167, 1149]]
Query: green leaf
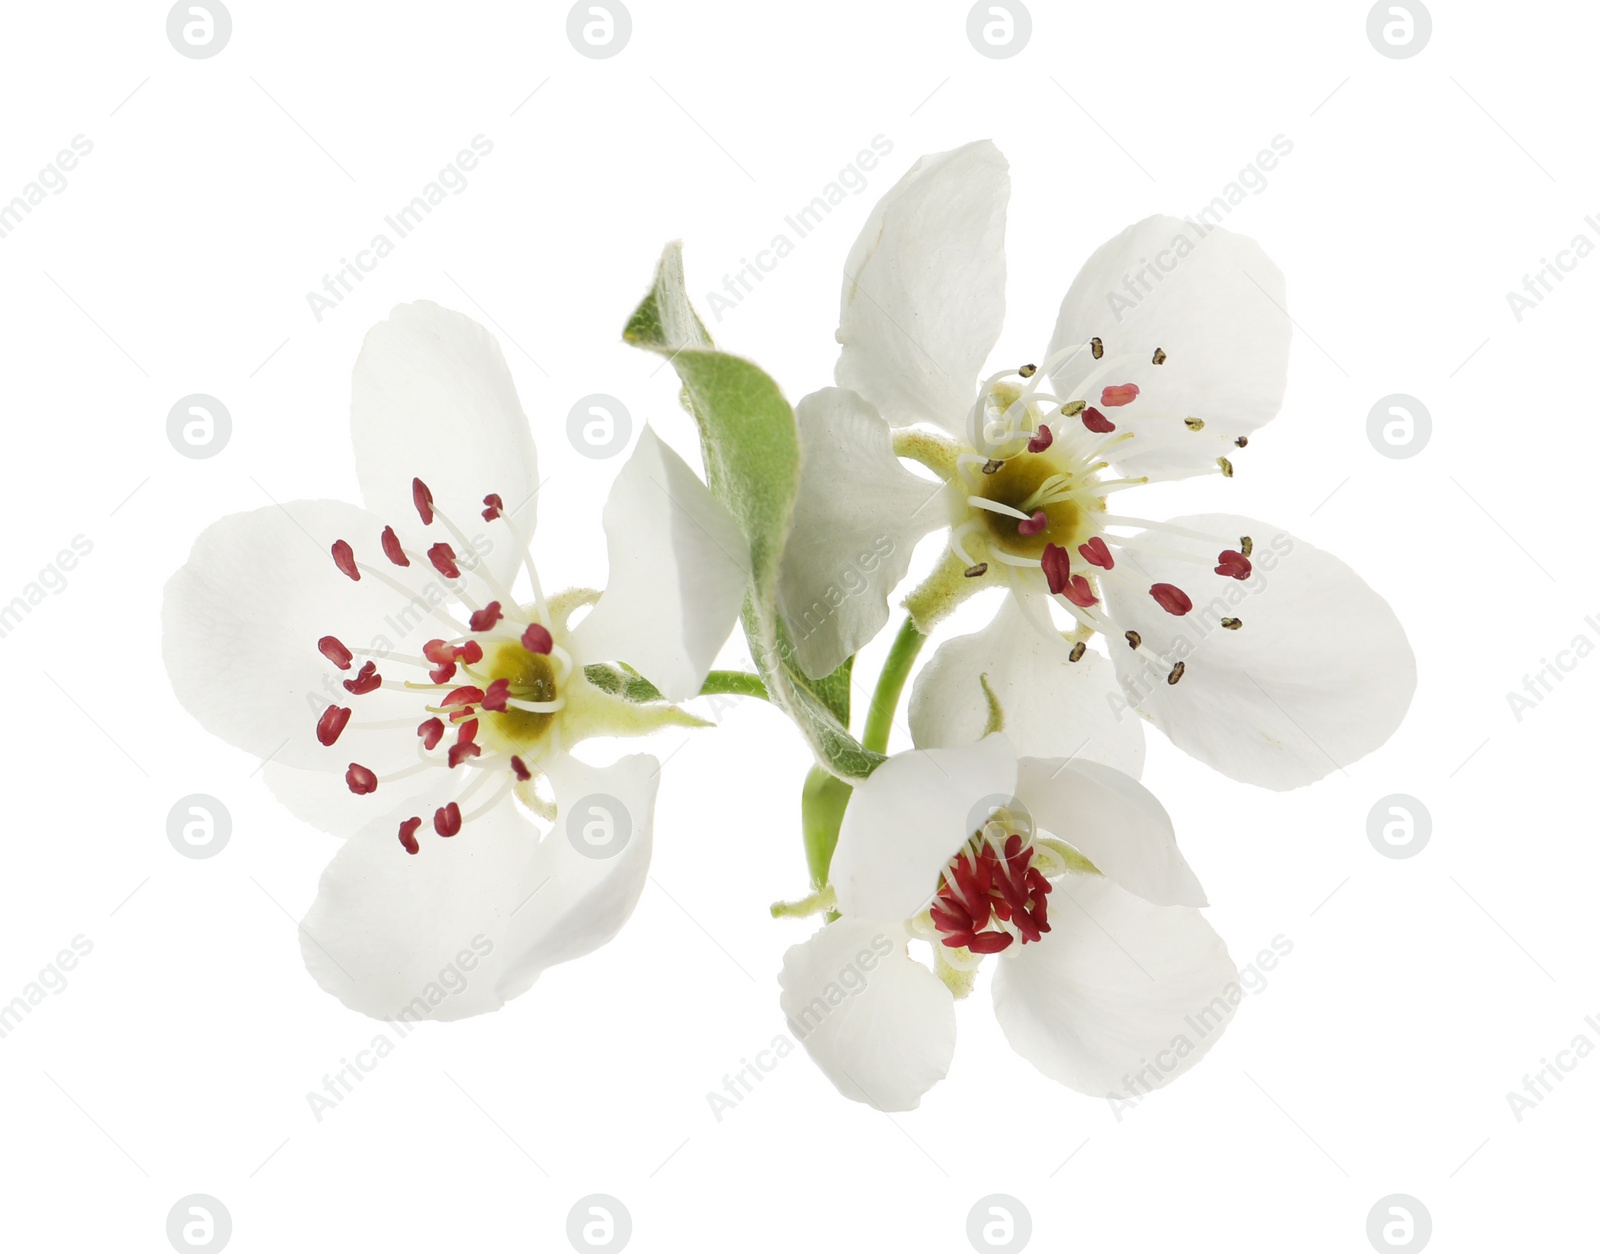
[[752, 455]]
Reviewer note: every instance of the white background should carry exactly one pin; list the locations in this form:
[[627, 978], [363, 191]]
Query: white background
[[177, 260]]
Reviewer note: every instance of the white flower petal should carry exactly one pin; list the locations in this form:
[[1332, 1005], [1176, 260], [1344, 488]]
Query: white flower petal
[[907, 820], [879, 1025], [1052, 707], [857, 518], [1115, 822], [678, 574], [323, 799], [1214, 303], [240, 624], [1121, 996], [1318, 675], [432, 398], [924, 288], [391, 934]]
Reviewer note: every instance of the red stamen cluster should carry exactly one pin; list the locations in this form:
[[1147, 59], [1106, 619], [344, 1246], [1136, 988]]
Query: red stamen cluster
[[1057, 565], [982, 888]]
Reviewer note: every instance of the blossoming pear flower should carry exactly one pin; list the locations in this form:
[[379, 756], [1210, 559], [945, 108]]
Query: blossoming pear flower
[[1065, 873], [406, 695], [1256, 652]]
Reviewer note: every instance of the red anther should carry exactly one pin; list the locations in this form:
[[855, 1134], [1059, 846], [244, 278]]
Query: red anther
[[335, 652], [1033, 526], [1233, 563], [467, 694], [331, 723], [442, 673], [439, 652], [361, 780], [423, 500], [1043, 440], [537, 639], [467, 732], [487, 617], [1098, 422], [494, 696], [432, 732], [367, 679], [471, 653], [1057, 564], [493, 506], [1171, 598], [1079, 592], [344, 558], [460, 752], [408, 834], [447, 819], [1119, 394], [1095, 552], [989, 942], [443, 558], [392, 549], [519, 768]]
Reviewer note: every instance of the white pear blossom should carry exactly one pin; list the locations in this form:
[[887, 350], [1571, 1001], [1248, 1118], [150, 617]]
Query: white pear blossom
[[405, 695], [1066, 872], [1254, 651]]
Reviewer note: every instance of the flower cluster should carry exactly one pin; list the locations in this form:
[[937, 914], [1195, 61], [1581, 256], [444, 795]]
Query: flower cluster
[[414, 690]]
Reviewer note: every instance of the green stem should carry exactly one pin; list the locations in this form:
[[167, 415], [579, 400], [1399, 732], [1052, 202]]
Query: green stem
[[891, 681], [822, 803], [736, 682]]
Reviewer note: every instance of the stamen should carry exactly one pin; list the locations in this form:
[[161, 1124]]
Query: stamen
[[447, 819], [486, 618], [345, 559], [1028, 371], [1097, 348], [331, 723], [977, 570], [443, 558], [1095, 552], [392, 548], [1079, 592], [537, 639], [1194, 424], [1077, 652], [367, 680], [423, 500], [1241, 441], [1232, 624], [1073, 408], [360, 780], [1097, 422], [1057, 566], [1233, 564], [520, 769], [992, 465], [1041, 441], [432, 732], [1246, 545], [461, 751], [335, 652], [1034, 525], [1171, 598], [997, 507], [1176, 674], [494, 696], [466, 695], [1133, 638], [408, 834], [1120, 394], [1226, 467], [493, 507], [1159, 358]]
